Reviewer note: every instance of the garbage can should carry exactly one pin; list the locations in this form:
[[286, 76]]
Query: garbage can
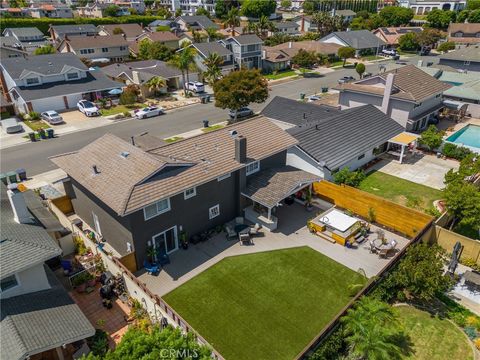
[[203, 99], [42, 134], [12, 177], [50, 133], [208, 98], [3, 178], [324, 89], [32, 137], [22, 174], [205, 123], [302, 96]]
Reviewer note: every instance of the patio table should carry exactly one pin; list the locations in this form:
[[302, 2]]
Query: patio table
[[242, 229], [379, 245]]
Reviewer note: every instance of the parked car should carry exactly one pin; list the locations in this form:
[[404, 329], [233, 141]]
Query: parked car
[[52, 117], [346, 79], [242, 112], [391, 52], [313, 98], [11, 126], [195, 86], [88, 108], [149, 112], [401, 62], [424, 51], [367, 74]]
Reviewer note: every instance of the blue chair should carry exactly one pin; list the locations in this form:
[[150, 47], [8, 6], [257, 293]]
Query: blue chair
[[151, 269], [67, 266], [162, 257]]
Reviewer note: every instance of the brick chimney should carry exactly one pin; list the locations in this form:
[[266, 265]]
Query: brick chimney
[[241, 149], [387, 93]]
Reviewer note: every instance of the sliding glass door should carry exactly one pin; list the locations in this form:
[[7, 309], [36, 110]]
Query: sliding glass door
[[166, 242]]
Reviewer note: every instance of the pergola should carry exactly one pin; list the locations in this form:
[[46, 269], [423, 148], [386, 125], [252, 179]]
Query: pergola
[[405, 139]]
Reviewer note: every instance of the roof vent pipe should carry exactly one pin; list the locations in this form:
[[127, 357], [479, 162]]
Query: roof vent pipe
[[95, 170]]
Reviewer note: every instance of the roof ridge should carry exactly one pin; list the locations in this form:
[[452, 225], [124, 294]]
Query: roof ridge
[[41, 246]]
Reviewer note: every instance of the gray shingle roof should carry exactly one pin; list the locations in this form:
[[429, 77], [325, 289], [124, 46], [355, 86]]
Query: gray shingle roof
[[297, 112], [212, 47], [147, 69], [471, 53], [40, 321], [358, 39], [9, 41], [339, 139], [72, 29], [22, 245], [201, 20], [286, 25], [25, 31], [346, 12], [247, 39]]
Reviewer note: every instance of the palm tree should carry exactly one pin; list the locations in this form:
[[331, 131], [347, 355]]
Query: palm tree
[[155, 84], [179, 62], [212, 34], [264, 24], [233, 18], [213, 72]]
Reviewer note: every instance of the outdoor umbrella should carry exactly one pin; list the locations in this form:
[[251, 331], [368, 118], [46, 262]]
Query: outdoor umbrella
[[115, 91]]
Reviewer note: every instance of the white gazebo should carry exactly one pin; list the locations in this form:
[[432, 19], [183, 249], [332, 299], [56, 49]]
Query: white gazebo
[[396, 145]]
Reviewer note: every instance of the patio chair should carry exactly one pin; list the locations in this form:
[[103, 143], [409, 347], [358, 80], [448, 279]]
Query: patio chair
[[383, 253], [245, 239], [231, 233], [254, 230], [373, 249], [150, 268], [67, 266]]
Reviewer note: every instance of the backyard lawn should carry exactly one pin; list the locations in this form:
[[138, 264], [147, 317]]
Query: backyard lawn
[[433, 338], [268, 305], [401, 191]]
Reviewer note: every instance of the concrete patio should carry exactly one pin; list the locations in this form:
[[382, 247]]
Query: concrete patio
[[292, 232]]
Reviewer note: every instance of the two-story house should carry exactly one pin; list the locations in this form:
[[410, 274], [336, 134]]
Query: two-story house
[[205, 49], [10, 47], [96, 10], [197, 22], [421, 7], [51, 11], [29, 38], [347, 14], [246, 49], [408, 95], [58, 32], [51, 82], [97, 49], [285, 27], [138, 199], [464, 59], [464, 33], [129, 31], [166, 38], [39, 320]]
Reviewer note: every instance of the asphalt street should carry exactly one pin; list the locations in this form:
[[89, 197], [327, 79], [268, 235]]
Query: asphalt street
[[34, 156]]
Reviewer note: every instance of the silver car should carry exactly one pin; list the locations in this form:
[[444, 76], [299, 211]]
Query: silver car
[[52, 117], [242, 112]]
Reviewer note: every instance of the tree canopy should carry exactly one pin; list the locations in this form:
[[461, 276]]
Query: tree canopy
[[360, 69], [396, 16], [111, 10], [154, 50], [408, 41], [440, 19], [258, 8], [446, 46], [44, 50], [346, 52], [431, 138], [304, 58]]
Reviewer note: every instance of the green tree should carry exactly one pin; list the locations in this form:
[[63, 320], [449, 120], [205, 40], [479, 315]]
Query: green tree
[[348, 177], [156, 84], [44, 50], [257, 8], [202, 11], [396, 16], [240, 88], [213, 34], [429, 37], [440, 19], [304, 58], [308, 7], [184, 61], [111, 10], [358, 23], [221, 9], [462, 16], [154, 50], [446, 46], [286, 3], [432, 138], [408, 41], [327, 23], [360, 69], [178, 12], [346, 52], [474, 16], [117, 31], [372, 330], [233, 18], [473, 4], [213, 72]]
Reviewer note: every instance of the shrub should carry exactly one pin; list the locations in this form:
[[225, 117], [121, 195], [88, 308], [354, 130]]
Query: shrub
[[128, 98], [332, 347], [80, 248], [471, 332], [432, 138], [34, 115], [348, 177], [446, 46], [455, 152], [477, 343], [98, 343], [126, 113]]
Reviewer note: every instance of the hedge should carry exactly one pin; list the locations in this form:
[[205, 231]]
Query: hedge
[[43, 24]]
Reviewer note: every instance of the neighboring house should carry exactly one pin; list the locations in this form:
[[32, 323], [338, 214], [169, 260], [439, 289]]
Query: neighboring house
[[390, 35], [464, 33], [139, 72], [330, 139], [29, 38], [96, 10], [275, 60], [464, 59], [129, 31], [285, 27], [10, 47], [190, 7], [422, 7], [6, 107], [348, 15], [363, 41], [15, 12], [408, 95], [51, 82], [247, 50], [165, 37], [305, 23], [58, 32], [141, 199], [167, 23], [97, 49], [205, 49], [38, 318], [51, 11], [198, 22]]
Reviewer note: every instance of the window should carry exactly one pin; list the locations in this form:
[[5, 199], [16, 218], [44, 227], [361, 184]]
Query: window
[[361, 157], [466, 63], [458, 34], [223, 177], [251, 48], [33, 81], [87, 51], [104, 50], [8, 283], [123, 48], [253, 167], [71, 76], [187, 194], [213, 212], [158, 208]]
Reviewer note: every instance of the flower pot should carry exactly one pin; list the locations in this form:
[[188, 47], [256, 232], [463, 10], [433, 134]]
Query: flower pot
[[91, 282], [185, 245], [81, 288]]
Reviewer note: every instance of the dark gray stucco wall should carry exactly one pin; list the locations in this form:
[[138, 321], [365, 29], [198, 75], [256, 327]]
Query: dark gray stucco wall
[[115, 229], [276, 160]]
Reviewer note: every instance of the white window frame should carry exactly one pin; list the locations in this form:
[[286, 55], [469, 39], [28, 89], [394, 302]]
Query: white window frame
[[34, 83], [188, 196], [223, 177], [13, 287], [76, 76], [158, 212], [213, 212], [255, 165]]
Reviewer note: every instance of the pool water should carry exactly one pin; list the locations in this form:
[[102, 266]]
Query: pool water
[[468, 136]]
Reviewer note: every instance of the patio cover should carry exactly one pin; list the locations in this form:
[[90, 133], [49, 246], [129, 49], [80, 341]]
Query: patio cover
[[270, 186], [404, 138], [454, 105]]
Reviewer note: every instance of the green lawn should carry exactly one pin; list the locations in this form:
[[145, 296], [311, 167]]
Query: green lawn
[[373, 57], [36, 125], [268, 305], [212, 128], [173, 139], [281, 75], [401, 191], [433, 338], [118, 109], [339, 63]]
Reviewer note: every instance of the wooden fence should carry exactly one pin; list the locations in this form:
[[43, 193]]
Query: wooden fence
[[447, 239], [396, 217]]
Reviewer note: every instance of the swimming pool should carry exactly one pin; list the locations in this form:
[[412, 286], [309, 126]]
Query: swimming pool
[[469, 136]]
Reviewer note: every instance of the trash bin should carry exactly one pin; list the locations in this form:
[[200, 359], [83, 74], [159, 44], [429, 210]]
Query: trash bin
[[205, 123], [203, 99], [50, 133], [12, 177], [324, 89], [22, 174], [42, 134], [32, 137], [208, 98], [302, 96], [3, 178]]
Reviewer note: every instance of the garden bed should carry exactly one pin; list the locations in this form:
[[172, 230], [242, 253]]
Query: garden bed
[[36, 125], [213, 128]]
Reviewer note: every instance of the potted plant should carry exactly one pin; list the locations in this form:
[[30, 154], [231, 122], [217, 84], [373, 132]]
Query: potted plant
[[79, 282], [308, 200], [91, 280], [151, 253], [184, 240]]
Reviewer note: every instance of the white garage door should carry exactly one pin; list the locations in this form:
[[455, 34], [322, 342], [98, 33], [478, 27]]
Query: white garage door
[[53, 103]]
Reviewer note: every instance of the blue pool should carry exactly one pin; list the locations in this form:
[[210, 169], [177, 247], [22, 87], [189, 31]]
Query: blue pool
[[468, 136]]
